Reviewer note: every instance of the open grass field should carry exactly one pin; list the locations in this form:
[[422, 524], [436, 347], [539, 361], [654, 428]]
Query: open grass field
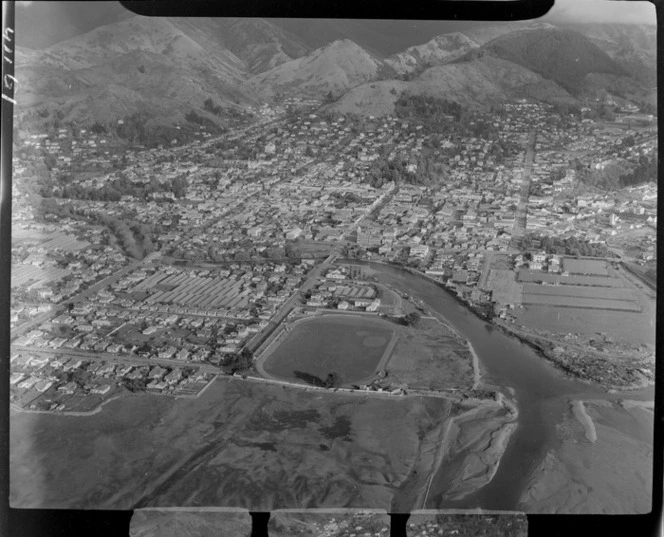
[[350, 346], [316, 248], [635, 326], [605, 293], [240, 444], [580, 302], [630, 326], [504, 288], [594, 267], [430, 357], [528, 276]]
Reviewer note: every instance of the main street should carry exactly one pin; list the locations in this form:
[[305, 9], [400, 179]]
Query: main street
[[519, 228]]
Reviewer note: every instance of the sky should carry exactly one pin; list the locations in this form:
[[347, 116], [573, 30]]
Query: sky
[[44, 23], [602, 11]]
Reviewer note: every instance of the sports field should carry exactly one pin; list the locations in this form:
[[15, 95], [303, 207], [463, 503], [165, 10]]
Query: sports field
[[349, 345], [595, 267], [527, 276], [580, 302], [605, 293]]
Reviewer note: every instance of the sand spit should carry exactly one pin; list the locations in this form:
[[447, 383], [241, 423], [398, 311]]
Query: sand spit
[[579, 410], [477, 439]]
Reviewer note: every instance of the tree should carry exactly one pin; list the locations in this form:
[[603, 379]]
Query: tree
[[332, 380]]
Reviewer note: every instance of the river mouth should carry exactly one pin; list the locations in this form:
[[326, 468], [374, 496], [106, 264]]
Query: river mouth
[[349, 346], [541, 392]]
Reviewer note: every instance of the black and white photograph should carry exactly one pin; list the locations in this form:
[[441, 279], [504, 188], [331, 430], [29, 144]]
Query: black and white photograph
[[363, 265]]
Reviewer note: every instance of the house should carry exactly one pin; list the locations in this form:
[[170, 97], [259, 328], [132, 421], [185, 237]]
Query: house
[[173, 377], [419, 250], [68, 388], [123, 370], [156, 385], [168, 352], [16, 378], [28, 383], [106, 370], [374, 305], [43, 385], [101, 390], [157, 372]]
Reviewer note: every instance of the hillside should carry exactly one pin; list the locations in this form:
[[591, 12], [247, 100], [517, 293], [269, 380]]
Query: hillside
[[564, 56], [440, 49], [370, 99], [166, 68], [259, 43], [136, 65], [476, 83], [335, 68], [382, 38], [632, 46]]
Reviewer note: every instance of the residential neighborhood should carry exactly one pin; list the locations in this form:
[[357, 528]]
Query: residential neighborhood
[[190, 254]]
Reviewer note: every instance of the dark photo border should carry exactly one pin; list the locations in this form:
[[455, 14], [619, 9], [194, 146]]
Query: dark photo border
[[29, 522]]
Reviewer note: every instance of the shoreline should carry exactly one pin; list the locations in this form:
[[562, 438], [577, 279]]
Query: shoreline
[[566, 369]]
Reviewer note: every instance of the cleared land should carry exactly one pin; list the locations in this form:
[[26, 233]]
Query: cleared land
[[350, 346]]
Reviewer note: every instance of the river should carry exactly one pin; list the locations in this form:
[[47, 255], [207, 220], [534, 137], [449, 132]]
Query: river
[[541, 392]]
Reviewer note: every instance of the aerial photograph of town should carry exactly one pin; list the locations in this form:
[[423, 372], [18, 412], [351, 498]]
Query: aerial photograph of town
[[395, 266]]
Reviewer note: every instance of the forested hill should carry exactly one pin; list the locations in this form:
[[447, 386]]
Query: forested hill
[[564, 56]]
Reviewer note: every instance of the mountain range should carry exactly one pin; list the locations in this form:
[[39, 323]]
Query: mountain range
[[165, 68]]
